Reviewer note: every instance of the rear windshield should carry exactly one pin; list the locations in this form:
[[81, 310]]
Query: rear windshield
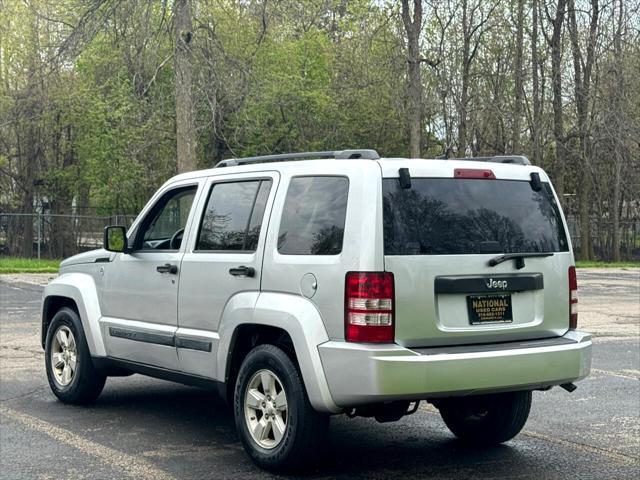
[[447, 216]]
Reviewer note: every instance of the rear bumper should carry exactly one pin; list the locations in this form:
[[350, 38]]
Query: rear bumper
[[360, 374]]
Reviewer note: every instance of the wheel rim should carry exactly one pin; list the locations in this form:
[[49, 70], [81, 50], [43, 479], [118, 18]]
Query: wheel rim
[[63, 356], [265, 409]]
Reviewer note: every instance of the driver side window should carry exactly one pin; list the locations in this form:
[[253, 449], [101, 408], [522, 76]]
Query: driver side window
[[163, 227]]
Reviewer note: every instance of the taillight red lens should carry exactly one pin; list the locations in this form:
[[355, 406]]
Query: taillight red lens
[[573, 299], [368, 307]]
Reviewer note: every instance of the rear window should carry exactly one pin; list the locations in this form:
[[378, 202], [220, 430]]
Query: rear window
[[447, 216], [313, 216]]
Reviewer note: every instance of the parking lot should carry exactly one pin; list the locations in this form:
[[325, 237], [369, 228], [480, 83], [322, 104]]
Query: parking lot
[[150, 429]]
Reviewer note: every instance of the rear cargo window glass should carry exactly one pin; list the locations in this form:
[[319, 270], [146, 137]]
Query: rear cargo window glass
[[440, 216], [313, 216]]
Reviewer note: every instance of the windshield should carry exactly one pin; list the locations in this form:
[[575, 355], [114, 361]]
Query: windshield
[[447, 216]]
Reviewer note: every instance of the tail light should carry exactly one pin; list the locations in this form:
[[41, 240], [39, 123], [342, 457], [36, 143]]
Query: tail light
[[573, 299], [368, 307]]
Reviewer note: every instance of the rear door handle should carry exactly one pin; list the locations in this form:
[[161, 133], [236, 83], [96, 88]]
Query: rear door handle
[[243, 271], [167, 268]]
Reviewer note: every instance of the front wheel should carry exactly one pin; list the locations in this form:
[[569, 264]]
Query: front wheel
[[70, 371], [277, 425], [486, 420]]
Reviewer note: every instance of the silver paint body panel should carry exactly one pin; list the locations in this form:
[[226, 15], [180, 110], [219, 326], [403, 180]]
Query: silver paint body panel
[[359, 375]]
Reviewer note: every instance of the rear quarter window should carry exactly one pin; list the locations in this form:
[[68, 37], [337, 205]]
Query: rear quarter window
[[313, 216], [447, 216]]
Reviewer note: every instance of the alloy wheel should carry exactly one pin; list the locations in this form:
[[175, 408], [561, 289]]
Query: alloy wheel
[[64, 356], [265, 409]]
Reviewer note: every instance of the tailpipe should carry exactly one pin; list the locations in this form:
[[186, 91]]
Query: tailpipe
[[569, 387]]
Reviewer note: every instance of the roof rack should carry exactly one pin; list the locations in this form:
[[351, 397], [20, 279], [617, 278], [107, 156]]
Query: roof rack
[[337, 154], [515, 159]]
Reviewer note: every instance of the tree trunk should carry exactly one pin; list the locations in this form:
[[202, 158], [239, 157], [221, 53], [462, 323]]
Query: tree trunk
[[464, 94], [556, 76], [31, 152], [26, 249], [537, 110], [414, 85], [517, 110], [63, 240], [620, 140], [582, 85], [185, 124], [615, 209]]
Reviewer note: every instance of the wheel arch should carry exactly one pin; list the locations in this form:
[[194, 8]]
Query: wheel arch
[[78, 292], [245, 338], [289, 321], [50, 306]]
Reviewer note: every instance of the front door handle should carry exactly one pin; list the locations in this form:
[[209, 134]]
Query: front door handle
[[167, 268], [243, 271]]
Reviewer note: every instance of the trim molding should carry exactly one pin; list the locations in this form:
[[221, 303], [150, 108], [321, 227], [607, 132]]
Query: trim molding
[[192, 344], [168, 339], [145, 337]]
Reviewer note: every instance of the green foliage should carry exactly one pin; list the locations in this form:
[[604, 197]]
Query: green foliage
[[290, 102], [302, 84]]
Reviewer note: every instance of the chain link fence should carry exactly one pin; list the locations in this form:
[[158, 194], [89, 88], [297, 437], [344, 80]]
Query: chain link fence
[[34, 235]]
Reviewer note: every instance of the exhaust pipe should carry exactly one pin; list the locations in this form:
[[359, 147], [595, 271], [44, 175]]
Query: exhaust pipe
[[569, 387]]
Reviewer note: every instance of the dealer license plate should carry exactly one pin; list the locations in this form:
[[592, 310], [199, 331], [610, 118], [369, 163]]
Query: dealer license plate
[[489, 309]]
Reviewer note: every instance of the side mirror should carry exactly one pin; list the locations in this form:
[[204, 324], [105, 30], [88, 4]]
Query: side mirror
[[115, 239]]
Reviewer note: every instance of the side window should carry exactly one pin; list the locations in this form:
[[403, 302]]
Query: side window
[[233, 216], [163, 227], [313, 216]]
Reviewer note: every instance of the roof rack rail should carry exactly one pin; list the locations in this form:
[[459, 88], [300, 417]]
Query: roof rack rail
[[337, 154], [515, 159]]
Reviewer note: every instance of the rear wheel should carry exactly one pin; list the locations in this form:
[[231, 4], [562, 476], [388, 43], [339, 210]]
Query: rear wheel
[[277, 425], [486, 420], [70, 371]]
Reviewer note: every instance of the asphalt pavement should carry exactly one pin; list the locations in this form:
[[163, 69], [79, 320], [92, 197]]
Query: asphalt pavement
[[151, 429]]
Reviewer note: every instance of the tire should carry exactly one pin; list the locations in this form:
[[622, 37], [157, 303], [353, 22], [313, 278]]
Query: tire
[[302, 430], [78, 386], [486, 420]]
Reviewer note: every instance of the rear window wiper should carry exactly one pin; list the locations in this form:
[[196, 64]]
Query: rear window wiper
[[518, 257]]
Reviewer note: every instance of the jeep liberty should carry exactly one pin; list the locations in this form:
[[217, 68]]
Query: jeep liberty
[[302, 286]]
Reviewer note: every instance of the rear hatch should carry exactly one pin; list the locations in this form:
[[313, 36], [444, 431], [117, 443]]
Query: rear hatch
[[479, 253]]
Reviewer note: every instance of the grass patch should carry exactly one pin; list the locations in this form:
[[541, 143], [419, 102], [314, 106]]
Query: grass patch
[[600, 264], [28, 265]]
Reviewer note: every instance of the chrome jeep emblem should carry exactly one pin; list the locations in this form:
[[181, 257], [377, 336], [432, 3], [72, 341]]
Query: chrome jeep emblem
[[491, 283]]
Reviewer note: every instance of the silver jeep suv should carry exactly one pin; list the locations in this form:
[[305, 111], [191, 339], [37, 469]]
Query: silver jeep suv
[[306, 285]]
